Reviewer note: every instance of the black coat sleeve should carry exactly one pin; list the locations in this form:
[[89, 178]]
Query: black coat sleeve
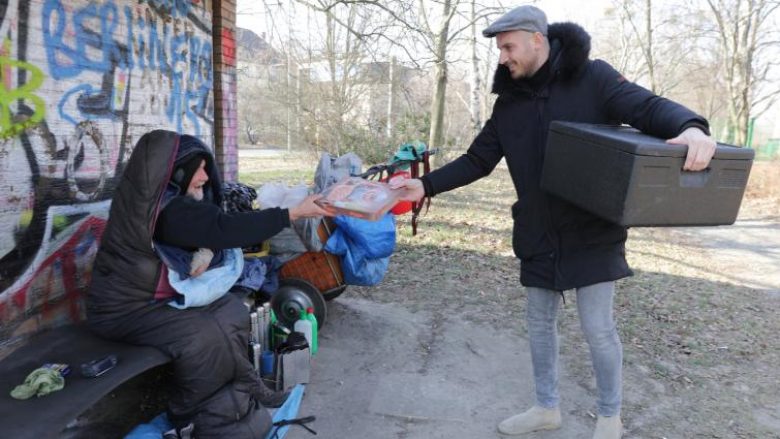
[[633, 104], [479, 160], [187, 223]]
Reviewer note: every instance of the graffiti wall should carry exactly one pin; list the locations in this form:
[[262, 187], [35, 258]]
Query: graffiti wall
[[80, 82]]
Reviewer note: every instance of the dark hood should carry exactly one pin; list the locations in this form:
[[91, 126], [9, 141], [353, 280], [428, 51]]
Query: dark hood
[[190, 146], [569, 51]]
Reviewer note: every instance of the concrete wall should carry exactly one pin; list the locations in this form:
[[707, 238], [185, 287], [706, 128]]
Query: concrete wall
[[80, 82]]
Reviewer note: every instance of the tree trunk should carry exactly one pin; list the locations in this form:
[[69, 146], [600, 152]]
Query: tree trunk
[[390, 99], [747, 39], [288, 80], [649, 47], [436, 136], [330, 50], [474, 107]]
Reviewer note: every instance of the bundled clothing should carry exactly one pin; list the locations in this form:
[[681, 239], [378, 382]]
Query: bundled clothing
[[560, 245], [215, 386]]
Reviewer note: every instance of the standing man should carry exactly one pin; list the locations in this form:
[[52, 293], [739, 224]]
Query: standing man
[[545, 74]]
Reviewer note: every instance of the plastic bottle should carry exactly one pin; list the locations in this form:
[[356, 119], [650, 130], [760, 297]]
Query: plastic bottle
[[314, 330], [277, 336], [303, 325]]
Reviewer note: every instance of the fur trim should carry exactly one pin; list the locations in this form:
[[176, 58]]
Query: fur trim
[[573, 44]]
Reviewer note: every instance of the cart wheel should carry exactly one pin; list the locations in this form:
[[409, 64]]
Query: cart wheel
[[294, 295], [332, 294]]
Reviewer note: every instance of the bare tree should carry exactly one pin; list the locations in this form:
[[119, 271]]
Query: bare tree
[[424, 30], [651, 43], [748, 38]]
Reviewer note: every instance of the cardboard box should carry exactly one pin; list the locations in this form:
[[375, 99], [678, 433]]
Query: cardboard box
[[633, 179]]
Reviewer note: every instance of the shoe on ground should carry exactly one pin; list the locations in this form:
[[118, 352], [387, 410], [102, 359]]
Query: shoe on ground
[[182, 433], [535, 419], [275, 400], [608, 427]]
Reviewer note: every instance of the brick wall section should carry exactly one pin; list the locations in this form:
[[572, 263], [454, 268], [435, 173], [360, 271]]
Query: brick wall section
[[225, 98]]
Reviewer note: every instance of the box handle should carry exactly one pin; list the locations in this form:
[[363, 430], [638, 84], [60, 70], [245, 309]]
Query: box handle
[[694, 178]]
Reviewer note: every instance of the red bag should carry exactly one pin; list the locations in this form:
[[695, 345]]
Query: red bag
[[401, 207]]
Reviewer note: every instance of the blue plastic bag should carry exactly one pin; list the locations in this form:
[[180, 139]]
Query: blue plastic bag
[[364, 246]]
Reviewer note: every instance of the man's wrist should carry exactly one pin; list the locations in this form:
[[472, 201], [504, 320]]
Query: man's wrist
[[695, 124], [427, 186]]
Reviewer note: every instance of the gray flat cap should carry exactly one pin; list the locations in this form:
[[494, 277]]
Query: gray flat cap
[[528, 18]]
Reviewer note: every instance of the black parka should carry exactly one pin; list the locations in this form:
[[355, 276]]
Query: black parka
[[127, 269], [560, 245], [214, 384]]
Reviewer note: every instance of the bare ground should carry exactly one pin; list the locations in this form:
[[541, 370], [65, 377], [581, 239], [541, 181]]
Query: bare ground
[[698, 321]]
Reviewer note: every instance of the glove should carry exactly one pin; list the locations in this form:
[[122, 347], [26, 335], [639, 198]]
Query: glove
[[200, 261], [40, 382]]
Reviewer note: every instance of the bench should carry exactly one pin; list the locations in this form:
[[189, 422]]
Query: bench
[[47, 416]]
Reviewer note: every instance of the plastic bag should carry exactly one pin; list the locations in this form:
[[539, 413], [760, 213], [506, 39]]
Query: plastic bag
[[364, 247], [281, 195], [332, 169], [376, 239], [303, 234]]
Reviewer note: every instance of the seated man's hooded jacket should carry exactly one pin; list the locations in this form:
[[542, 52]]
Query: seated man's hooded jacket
[[214, 386], [128, 273]]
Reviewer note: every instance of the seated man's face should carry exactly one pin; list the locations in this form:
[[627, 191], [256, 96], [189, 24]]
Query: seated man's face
[[195, 189]]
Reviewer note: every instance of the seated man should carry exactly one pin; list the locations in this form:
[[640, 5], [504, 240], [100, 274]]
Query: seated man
[[169, 197]]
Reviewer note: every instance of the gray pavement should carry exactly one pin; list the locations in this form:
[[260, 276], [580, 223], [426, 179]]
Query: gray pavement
[[384, 372], [750, 248]]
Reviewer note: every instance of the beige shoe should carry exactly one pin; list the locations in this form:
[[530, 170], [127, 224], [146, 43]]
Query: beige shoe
[[535, 419], [608, 427]]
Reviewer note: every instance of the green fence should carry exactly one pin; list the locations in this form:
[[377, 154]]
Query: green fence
[[768, 151]]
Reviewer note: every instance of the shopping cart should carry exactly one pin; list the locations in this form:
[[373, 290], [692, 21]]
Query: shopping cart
[[312, 278], [307, 281]]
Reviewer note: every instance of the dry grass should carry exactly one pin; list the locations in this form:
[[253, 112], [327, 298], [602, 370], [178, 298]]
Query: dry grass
[[701, 348]]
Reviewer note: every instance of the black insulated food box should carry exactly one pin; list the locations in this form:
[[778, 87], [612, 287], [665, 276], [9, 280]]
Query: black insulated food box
[[633, 179]]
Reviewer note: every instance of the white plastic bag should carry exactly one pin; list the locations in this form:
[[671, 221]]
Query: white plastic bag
[[303, 235], [281, 195]]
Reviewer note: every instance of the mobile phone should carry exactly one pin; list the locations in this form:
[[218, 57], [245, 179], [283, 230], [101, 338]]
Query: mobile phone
[[98, 367]]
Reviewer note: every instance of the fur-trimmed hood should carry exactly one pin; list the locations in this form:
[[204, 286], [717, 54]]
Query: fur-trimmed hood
[[569, 51]]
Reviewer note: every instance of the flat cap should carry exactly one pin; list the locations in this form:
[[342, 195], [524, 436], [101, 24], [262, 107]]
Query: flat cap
[[528, 18]]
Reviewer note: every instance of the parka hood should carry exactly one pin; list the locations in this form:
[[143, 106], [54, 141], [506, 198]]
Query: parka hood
[[569, 51], [190, 146]]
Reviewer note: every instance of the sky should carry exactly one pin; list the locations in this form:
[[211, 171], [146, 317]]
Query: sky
[[252, 14]]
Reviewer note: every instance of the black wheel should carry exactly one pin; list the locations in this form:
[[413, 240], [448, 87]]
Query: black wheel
[[332, 294], [294, 295]]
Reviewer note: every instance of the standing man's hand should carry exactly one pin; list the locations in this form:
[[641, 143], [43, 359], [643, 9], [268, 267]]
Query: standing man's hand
[[701, 148], [308, 209], [413, 189]]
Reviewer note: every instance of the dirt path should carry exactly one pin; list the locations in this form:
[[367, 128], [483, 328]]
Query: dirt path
[[714, 374], [747, 253], [698, 322]]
